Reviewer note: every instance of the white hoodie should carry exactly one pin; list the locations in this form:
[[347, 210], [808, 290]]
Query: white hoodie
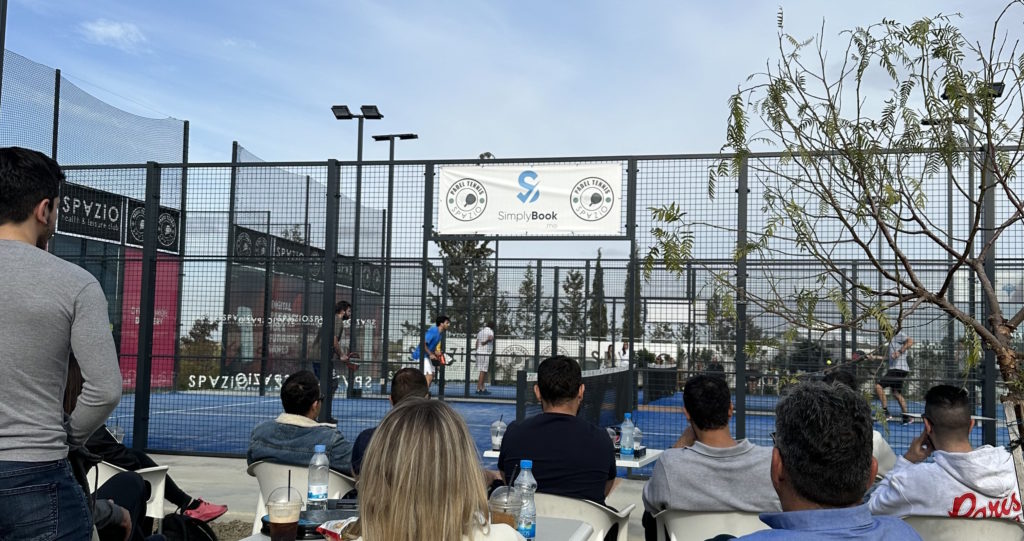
[[980, 484]]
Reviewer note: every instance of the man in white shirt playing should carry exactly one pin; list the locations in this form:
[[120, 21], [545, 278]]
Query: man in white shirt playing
[[959, 481], [484, 348]]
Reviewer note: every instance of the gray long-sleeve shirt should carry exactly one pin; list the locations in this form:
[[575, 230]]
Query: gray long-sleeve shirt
[[49, 307], [703, 478]]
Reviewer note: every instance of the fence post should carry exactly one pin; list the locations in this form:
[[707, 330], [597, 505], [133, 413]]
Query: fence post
[[182, 221], [469, 325], [554, 315], [537, 304], [428, 224], [741, 302], [444, 337], [853, 305], [330, 285], [988, 219], [232, 192], [56, 114], [268, 273], [144, 359], [634, 293]]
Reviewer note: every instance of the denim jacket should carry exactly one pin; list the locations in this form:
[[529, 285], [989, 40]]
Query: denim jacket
[[290, 439]]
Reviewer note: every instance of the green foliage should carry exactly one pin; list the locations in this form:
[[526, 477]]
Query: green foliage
[[465, 262], [525, 320], [644, 358], [572, 319], [198, 353], [597, 316], [631, 315]]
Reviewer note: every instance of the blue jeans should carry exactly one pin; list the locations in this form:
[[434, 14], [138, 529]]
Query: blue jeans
[[41, 501]]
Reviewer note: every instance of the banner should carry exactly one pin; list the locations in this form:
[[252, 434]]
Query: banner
[[90, 213], [165, 319], [168, 227], [525, 200]]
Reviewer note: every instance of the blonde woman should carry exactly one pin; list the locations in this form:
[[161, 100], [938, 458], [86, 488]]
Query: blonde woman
[[420, 479]]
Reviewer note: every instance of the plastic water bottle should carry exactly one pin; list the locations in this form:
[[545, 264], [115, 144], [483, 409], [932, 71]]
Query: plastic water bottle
[[526, 486], [626, 437], [316, 497]]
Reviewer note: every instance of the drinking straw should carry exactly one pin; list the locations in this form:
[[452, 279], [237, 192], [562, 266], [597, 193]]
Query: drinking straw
[[289, 485]]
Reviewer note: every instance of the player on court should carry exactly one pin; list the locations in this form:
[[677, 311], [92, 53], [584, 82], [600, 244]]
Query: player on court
[[432, 346]]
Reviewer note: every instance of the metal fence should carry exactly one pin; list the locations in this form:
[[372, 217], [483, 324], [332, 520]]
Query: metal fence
[[226, 296]]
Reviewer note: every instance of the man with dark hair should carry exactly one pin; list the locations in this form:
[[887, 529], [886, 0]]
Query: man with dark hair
[[571, 457], [822, 466], [896, 373], [959, 481], [430, 349], [709, 470], [405, 383], [290, 438], [484, 348], [880, 449], [50, 307], [339, 347]]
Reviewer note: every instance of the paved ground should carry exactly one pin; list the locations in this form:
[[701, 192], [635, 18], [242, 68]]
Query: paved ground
[[224, 481]]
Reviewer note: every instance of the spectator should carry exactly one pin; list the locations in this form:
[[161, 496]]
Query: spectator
[[290, 438], [715, 368], [49, 307], [710, 471], [104, 446], [571, 457], [402, 500], [880, 449], [959, 481], [821, 467], [406, 382]]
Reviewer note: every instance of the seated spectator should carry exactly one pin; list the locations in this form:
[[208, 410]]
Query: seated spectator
[[120, 504], [103, 446], [421, 479], [290, 438], [821, 467], [406, 382], [571, 457], [880, 448], [959, 481], [712, 471]]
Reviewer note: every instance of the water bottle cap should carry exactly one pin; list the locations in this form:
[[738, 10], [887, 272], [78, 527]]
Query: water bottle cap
[[319, 448], [629, 416], [525, 464]]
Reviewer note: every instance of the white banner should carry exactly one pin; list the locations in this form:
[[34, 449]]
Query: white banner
[[531, 200]]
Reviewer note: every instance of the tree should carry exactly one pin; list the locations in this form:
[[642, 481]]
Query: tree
[[465, 262], [295, 233], [855, 178], [198, 344], [597, 317], [631, 315], [526, 309], [571, 316]]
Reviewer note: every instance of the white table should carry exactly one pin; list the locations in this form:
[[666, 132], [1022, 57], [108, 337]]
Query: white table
[[650, 456], [548, 529]]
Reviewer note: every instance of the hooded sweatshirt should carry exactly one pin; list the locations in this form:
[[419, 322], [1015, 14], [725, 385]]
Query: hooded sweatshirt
[[978, 484]]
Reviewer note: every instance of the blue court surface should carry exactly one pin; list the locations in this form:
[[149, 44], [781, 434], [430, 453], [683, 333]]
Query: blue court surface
[[211, 422]]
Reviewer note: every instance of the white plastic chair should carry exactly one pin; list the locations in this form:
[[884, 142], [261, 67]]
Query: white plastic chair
[[682, 525], [156, 476], [600, 517], [946, 528], [271, 476]]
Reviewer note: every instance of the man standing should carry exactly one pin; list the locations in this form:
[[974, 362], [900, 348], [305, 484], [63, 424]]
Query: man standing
[[430, 349], [484, 348], [821, 468], [959, 481], [897, 371], [571, 457], [290, 438], [50, 307], [709, 470]]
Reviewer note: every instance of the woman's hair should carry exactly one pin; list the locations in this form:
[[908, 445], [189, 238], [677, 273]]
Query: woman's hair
[[420, 479]]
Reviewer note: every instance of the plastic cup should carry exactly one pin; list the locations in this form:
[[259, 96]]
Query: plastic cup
[[505, 505], [497, 433], [117, 432], [283, 509]]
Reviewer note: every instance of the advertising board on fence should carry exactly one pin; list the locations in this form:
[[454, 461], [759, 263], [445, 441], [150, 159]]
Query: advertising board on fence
[[531, 200]]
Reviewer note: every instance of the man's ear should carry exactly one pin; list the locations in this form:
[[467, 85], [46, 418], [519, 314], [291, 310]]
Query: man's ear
[[731, 410], [580, 395], [536, 392], [687, 415], [874, 472], [44, 211], [778, 471], [970, 427]]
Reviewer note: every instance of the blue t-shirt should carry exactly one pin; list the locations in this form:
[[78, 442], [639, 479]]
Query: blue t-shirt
[[433, 339], [844, 523]]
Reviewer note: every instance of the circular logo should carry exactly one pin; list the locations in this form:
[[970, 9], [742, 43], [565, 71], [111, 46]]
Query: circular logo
[[167, 230], [136, 223], [466, 200], [592, 199], [243, 245], [261, 246]]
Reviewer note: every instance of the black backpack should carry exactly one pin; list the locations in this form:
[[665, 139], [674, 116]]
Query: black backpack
[[183, 528]]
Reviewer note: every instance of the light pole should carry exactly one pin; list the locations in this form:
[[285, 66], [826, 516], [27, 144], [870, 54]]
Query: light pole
[[342, 112], [386, 316]]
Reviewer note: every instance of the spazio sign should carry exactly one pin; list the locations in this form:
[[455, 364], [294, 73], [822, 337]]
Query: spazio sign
[[93, 213]]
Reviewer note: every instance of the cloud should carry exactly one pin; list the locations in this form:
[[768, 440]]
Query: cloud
[[124, 36], [241, 43]]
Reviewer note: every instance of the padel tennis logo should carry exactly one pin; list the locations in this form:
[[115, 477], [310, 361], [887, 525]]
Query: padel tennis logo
[[466, 200], [532, 193], [592, 199]]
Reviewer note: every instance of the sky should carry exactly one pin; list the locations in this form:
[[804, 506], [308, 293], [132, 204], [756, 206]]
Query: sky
[[517, 79]]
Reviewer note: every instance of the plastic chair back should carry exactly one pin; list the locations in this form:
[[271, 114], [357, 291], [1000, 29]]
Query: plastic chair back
[[684, 525], [271, 476], [600, 517], [943, 528], [156, 476]]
